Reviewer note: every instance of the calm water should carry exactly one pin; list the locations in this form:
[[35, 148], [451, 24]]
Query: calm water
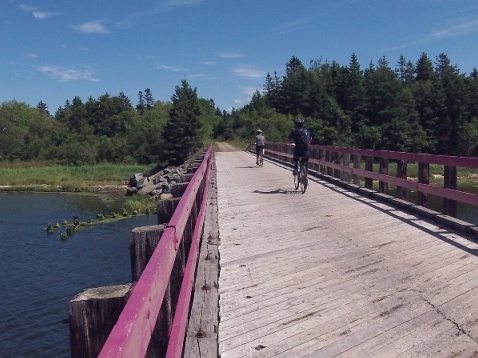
[[40, 274]]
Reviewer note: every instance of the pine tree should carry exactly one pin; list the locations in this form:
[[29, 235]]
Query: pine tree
[[182, 132], [148, 97], [43, 108], [141, 105]]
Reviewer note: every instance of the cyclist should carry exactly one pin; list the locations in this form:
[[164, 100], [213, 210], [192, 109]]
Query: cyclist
[[260, 141], [301, 137]]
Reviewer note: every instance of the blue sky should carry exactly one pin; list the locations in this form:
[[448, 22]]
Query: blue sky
[[56, 50]]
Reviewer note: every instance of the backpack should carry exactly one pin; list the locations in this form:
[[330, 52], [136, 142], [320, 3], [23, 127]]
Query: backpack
[[302, 139]]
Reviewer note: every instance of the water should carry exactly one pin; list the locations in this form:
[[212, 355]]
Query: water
[[40, 274]]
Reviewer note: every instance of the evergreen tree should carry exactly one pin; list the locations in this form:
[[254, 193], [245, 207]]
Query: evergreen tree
[[148, 98], [181, 134], [126, 103], [453, 114], [424, 68], [140, 107], [293, 91], [405, 70], [271, 90], [43, 108]]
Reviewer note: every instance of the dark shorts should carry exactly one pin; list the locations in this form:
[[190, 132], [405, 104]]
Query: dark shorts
[[301, 153], [259, 149]]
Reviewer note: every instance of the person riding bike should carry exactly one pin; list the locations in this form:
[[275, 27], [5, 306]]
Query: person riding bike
[[301, 137], [260, 141]]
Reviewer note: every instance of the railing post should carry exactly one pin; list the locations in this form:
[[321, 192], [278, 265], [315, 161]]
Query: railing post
[[346, 175], [143, 242], [336, 159], [357, 162], [91, 317], [322, 160], [449, 182], [402, 174], [329, 158], [383, 186], [369, 167], [158, 344], [423, 178]]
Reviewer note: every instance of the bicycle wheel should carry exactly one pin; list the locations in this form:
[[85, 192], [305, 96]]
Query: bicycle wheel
[[303, 179], [261, 161], [296, 178]]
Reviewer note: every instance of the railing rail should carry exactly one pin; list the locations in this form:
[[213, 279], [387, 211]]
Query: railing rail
[[132, 332], [357, 166]]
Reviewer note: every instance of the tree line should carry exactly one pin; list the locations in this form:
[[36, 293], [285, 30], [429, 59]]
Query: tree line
[[427, 106], [109, 129]]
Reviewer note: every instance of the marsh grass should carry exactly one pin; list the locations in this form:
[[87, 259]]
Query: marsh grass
[[50, 177]]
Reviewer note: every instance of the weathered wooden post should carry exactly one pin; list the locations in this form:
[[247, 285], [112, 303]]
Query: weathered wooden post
[[165, 209], [423, 178], [346, 163], [92, 315], [402, 174], [357, 163], [450, 182], [337, 157], [369, 168], [383, 186], [143, 242], [329, 159]]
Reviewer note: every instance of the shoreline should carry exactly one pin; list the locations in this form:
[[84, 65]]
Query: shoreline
[[42, 188]]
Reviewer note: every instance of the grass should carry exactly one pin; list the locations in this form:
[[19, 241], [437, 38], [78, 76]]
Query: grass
[[31, 176]]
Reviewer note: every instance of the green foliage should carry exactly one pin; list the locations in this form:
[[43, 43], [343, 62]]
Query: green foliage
[[182, 132], [42, 176], [412, 107], [139, 204], [427, 106]]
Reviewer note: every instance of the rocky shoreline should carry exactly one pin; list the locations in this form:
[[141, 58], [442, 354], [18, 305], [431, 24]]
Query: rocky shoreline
[[159, 185]]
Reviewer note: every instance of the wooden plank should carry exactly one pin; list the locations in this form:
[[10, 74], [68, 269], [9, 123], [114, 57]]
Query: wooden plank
[[330, 272], [201, 337]]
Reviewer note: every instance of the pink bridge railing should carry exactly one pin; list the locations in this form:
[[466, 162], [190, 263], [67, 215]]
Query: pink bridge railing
[[371, 170], [132, 333]]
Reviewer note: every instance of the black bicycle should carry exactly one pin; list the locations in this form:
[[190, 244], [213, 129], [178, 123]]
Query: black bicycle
[[300, 178], [260, 160]]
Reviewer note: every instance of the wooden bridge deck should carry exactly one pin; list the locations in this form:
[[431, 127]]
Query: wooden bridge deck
[[331, 274]]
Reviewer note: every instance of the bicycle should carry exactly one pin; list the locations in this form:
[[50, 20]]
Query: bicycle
[[260, 160], [300, 178]]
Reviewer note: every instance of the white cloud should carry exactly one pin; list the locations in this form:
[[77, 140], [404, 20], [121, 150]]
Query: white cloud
[[43, 14], [249, 73], [296, 25], [92, 27], [171, 68], [37, 14], [466, 27], [230, 55], [63, 74], [27, 8], [33, 55]]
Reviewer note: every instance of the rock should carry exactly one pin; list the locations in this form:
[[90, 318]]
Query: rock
[[165, 196], [131, 191], [135, 179]]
